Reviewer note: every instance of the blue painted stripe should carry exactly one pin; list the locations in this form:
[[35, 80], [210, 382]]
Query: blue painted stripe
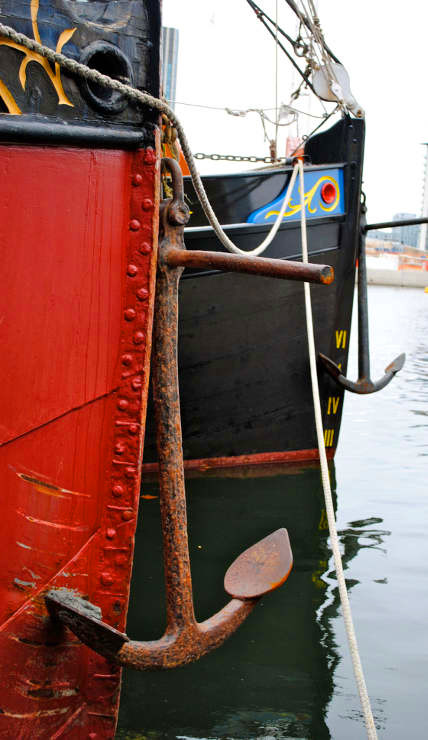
[[314, 205]]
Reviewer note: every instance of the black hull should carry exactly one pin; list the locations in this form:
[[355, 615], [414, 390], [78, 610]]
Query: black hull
[[243, 356]]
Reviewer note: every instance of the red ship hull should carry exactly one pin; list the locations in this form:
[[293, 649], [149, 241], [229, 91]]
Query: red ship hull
[[79, 266]]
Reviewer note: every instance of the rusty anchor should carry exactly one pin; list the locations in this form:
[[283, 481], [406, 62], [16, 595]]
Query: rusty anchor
[[257, 571], [364, 384]]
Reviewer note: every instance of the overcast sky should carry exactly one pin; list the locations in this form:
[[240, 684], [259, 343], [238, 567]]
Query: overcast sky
[[227, 59]]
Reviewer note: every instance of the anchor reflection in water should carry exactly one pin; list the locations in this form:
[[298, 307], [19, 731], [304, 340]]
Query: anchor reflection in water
[[275, 679]]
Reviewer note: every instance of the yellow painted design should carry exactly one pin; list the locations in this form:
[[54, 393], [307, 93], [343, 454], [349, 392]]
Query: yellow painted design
[[308, 199], [31, 56], [328, 437], [333, 404], [9, 100], [319, 572], [323, 523], [341, 338]]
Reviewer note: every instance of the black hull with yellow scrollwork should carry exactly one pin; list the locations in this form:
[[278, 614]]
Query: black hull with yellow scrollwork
[[53, 106], [243, 355]]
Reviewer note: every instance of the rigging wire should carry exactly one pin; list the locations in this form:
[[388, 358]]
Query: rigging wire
[[259, 12], [276, 78], [241, 113], [313, 48], [309, 136], [306, 22], [261, 15]]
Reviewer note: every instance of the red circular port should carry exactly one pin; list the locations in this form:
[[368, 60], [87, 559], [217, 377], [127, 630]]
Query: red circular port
[[328, 193]]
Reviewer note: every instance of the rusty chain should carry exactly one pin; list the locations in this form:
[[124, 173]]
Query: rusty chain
[[238, 158]]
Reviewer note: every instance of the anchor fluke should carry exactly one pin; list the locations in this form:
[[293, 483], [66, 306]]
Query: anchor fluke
[[84, 620], [363, 385], [397, 364], [260, 569]]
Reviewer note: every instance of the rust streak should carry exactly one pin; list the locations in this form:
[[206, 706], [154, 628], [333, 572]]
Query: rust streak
[[48, 585], [33, 715], [55, 525], [49, 488], [23, 585], [50, 692], [21, 544], [69, 721]]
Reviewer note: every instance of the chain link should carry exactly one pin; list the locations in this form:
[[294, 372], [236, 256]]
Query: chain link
[[238, 158]]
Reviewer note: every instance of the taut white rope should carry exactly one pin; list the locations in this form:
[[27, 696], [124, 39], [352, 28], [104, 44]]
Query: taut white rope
[[346, 607]]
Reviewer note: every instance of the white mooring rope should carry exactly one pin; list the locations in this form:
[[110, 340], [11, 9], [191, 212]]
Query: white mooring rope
[[346, 607]]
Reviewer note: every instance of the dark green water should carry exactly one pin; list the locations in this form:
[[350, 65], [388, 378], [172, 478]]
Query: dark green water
[[287, 673]]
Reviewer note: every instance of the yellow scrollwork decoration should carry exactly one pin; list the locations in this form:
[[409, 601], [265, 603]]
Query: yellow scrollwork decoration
[[31, 56], [309, 196]]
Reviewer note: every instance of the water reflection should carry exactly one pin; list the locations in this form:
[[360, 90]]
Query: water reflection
[[287, 673], [274, 678]]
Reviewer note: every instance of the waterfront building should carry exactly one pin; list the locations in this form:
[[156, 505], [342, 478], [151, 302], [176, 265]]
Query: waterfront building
[[407, 235], [423, 234], [169, 67]]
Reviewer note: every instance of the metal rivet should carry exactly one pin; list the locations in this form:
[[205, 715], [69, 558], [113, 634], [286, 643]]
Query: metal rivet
[[119, 448], [132, 270], [150, 155], [130, 472], [117, 607], [136, 383], [137, 179], [111, 533], [130, 314], [127, 360], [147, 204], [138, 337], [142, 294], [123, 404], [133, 429], [106, 579], [118, 490], [145, 248], [92, 736], [134, 225], [127, 515]]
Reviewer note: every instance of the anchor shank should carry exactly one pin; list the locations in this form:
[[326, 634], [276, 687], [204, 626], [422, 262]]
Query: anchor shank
[[363, 313], [178, 582]]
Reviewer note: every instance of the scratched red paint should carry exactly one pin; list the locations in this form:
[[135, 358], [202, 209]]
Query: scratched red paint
[[75, 331]]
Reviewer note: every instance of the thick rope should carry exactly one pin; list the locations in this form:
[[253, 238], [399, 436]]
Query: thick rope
[[346, 607], [143, 98]]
